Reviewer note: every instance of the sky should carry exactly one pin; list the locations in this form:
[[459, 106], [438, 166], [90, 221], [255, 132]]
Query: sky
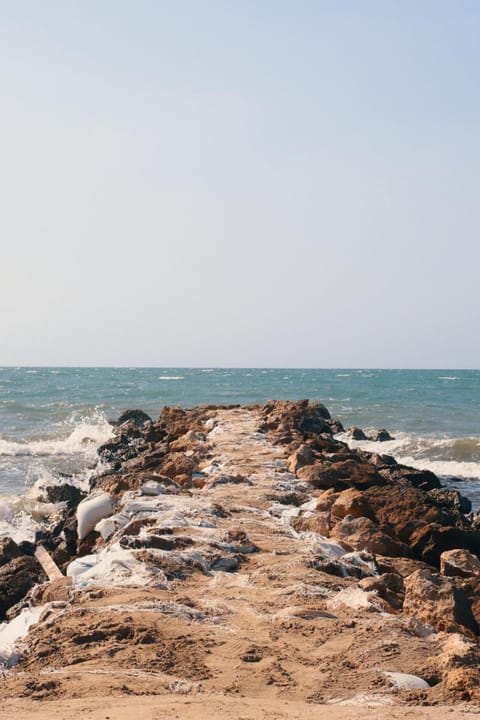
[[256, 183]]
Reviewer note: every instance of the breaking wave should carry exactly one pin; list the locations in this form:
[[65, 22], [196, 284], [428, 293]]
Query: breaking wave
[[446, 457], [83, 435]]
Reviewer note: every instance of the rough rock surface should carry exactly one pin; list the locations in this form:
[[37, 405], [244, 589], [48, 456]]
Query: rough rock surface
[[436, 601]]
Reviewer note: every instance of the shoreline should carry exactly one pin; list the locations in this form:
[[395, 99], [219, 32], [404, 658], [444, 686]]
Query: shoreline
[[229, 523]]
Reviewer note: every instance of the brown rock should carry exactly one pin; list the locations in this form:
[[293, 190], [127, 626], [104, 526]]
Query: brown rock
[[326, 500], [401, 509], [402, 566], [300, 457], [434, 600], [378, 585], [52, 591], [362, 534], [459, 562], [341, 475], [462, 684], [178, 464], [430, 541], [351, 502], [319, 523]]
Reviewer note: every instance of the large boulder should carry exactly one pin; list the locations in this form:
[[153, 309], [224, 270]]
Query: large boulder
[[137, 417], [351, 502], [381, 436], [361, 533], [8, 550], [356, 433], [436, 601], [401, 509], [17, 577], [300, 457], [430, 541], [341, 475], [459, 563]]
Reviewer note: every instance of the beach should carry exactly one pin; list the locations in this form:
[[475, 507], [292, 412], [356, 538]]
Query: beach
[[250, 559]]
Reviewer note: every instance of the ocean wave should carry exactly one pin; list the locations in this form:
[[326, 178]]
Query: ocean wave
[[448, 377], [85, 435], [21, 516], [171, 377], [446, 457]]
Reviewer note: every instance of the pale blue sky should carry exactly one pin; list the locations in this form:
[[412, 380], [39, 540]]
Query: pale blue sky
[[244, 183]]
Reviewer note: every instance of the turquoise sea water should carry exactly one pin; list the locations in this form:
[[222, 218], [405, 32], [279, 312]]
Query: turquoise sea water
[[53, 419]]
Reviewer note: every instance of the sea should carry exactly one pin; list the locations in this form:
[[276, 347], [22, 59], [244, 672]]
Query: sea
[[53, 419]]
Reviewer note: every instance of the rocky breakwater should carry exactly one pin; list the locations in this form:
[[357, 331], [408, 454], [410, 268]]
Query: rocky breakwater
[[247, 550]]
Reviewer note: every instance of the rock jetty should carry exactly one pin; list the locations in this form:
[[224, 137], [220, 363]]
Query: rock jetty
[[246, 551]]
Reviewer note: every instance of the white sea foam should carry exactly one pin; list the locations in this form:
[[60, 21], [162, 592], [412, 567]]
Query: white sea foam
[[446, 457], [85, 437], [171, 377]]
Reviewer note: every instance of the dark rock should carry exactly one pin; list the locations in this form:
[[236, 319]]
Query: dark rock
[[229, 480], [8, 550], [356, 433], [137, 417], [289, 498], [335, 426], [401, 509], [225, 564], [68, 494], [451, 499], [431, 540], [156, 541], [16, 579], [381, 436]]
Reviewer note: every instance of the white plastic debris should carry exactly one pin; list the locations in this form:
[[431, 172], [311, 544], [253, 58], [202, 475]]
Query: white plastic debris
[[91, 510], [12, 633], [404, 681], [114, 567]]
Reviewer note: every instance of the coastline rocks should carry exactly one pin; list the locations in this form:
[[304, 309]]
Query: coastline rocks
[[17, 577], [356, 433], [302, 418], [381, 436], [136, 417], [179, 467], [434, 600]]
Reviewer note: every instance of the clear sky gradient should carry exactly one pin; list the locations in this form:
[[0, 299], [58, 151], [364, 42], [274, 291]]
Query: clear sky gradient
[[240, 183]]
